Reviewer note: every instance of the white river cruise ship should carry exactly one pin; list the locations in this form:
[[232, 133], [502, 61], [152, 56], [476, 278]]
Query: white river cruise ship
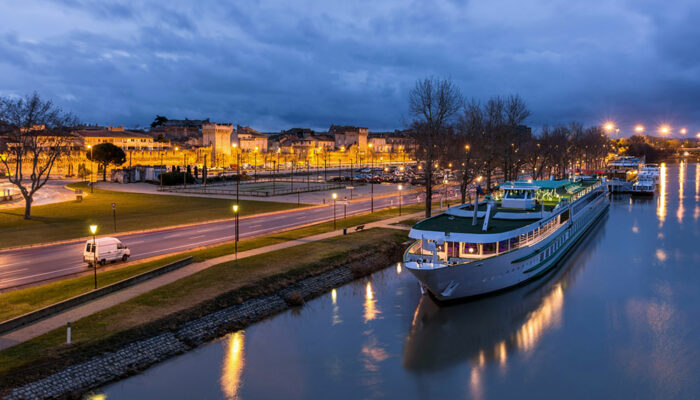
[[517, 235]]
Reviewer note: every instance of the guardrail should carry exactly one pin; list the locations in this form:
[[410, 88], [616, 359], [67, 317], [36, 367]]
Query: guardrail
[[48, 311]]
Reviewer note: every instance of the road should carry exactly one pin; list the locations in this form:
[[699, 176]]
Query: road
[[34, 264]]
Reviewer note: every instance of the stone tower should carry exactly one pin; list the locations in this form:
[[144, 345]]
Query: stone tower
[[219, 137]]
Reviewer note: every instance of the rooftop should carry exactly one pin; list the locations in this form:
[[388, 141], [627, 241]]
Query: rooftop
[[454, 224]]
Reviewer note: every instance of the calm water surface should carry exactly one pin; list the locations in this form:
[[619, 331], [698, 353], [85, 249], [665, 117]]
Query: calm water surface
[[620, 318]]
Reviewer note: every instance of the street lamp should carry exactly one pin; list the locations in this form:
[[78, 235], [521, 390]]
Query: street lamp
[[400, 189], [639, 128], [235, 243], [91, 167], [255, 162], [335, 196], [93, 230]]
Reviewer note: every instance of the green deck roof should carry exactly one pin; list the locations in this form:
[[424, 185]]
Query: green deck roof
[[542, 184], [443, 223]]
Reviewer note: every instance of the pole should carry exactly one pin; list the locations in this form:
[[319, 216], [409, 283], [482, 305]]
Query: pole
[[114, 215], [371, 201], [235, 245], [399, 202], [298, 197], [184, 170], [94, 259], [333, 213], [92, 184], [308, 177], [161, 171], [68, 333], [238, 182], [255, 166]]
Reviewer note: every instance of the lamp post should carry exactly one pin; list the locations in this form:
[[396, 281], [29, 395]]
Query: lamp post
[[235, 242], [184, 170], [371, 178], [335, 196], [93, 230], [255, 163], [91, 167], [161, 170], [400, 189]]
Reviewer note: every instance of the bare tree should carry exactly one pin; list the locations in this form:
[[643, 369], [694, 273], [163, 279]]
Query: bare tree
[[433, 103], [36, 133]]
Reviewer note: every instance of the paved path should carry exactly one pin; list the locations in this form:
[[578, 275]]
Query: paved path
[[53, 192], [39, 328]]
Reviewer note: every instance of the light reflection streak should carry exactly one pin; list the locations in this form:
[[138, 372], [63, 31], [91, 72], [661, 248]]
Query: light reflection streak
[[233, 365], [398, 268], [661, 207], [371, 310], [547, 315], [336, 314], [475, 386], [681, 182], [697, 182]]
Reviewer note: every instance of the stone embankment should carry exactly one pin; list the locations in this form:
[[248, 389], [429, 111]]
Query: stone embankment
[[73, 381]]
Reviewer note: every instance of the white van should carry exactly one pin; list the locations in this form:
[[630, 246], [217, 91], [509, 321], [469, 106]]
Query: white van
[[107, 249]]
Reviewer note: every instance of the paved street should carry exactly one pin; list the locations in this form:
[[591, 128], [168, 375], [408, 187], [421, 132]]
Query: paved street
[[31, 265]]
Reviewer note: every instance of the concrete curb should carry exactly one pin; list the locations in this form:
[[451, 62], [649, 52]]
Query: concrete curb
[[48, 311]]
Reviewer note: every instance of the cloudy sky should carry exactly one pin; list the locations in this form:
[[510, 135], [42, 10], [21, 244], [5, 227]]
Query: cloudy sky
[[278, 64]]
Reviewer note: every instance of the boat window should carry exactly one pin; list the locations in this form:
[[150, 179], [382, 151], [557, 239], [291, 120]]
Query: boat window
[[503, 246], [471, 248], [488, 248], [514, 242]]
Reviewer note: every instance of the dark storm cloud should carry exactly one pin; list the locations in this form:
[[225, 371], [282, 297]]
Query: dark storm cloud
[[274, 65]]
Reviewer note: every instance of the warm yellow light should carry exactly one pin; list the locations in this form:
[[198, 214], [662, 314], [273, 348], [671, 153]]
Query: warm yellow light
[[342, 148], [697, 135], [479, 178], [235, 208], [466, 147], [683, 131], [93, 229], [400, 187], [369, 145], [609, 126], [279, 150], [664, 129], [256, 148], [89, 146], [234, 145], [639, 128], [335, 196]]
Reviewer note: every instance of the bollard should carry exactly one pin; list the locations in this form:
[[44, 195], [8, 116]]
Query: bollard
[[68, 334], [345, 231]]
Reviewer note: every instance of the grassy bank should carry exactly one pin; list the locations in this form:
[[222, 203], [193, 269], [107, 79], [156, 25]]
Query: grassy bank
[[135, 211], [219, 286]]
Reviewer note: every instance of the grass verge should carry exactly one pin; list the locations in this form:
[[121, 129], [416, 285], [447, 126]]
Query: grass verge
[[219, 286], [22, 301], [135, 211]]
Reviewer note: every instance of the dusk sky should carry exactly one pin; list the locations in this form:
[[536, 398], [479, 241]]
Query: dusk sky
[[274, 65]]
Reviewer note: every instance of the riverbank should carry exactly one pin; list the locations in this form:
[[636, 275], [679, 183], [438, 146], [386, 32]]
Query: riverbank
[[152, 327]]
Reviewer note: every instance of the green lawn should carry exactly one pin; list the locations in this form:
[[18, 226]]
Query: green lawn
[[22, 301], [135, 211], [181, 299]]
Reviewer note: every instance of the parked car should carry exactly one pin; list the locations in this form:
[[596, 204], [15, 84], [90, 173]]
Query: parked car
[[106, 249]]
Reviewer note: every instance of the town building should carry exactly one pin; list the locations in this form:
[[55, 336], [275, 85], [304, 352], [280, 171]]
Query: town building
[[248, 139], [180, 128], [127, 140], [346, 137], [218, 136]]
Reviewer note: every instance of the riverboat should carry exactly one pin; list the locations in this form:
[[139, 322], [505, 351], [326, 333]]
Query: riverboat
[[519, 233]]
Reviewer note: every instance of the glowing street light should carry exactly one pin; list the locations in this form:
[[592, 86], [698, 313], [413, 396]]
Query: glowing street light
[[639, 128], [609, 127], [683, 131], [91, 168], [93, 231], [400, 189], [235, 241], [335, 197], [664, 129]]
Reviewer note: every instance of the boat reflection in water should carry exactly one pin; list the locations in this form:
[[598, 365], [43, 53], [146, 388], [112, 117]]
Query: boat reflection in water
[[490, 329]]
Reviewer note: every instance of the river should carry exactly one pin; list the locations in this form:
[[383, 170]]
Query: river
[[619, 319]]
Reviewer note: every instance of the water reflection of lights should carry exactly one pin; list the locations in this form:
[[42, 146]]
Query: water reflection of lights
[[373, 354], [334, 295], [477, 391], [336, 315], [398, 268], [661, 255], [661, 208], [548, 314], [502, 353], [233, 365], [681, 182], [697, 182], [371, 310]]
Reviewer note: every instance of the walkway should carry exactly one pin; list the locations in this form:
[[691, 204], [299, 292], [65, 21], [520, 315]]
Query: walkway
[[39, 328]]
